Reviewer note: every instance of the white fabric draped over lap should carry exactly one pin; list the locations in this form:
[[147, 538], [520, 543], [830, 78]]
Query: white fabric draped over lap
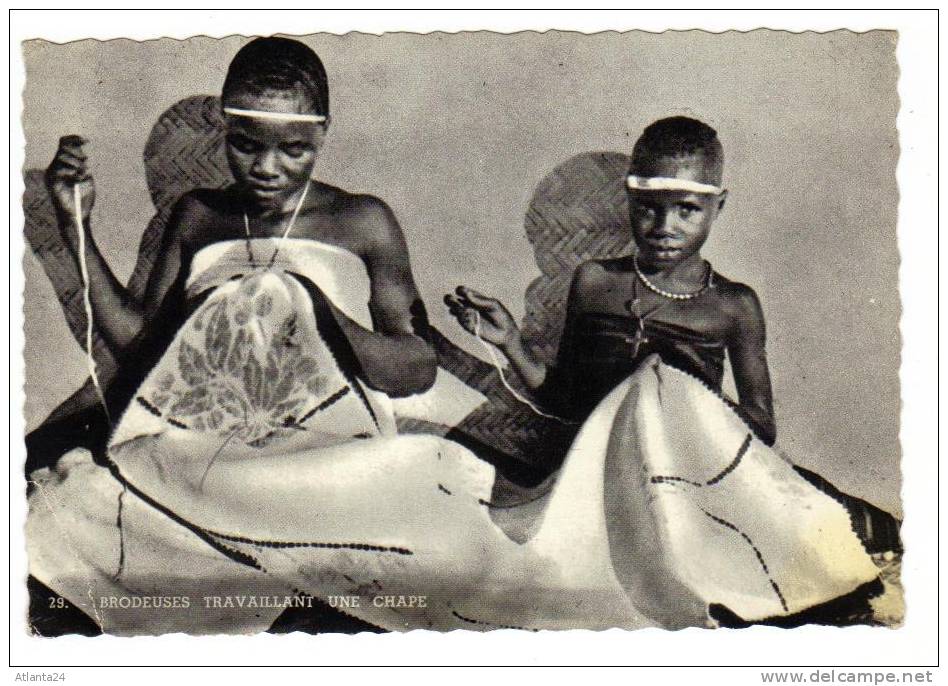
[[665, 503], [720, 517]]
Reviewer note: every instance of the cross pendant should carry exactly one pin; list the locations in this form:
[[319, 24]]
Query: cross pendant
[[640, 337], [640, 317]]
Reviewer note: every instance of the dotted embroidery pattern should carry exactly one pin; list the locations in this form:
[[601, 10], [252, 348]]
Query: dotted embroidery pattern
[[155, 411], [496, 626], [736, 461], [211, 537], [368, 547], [235, 554], [745, 445], [148, 406], [674, 479], [360, 393], [232, 553], [121, 530], [741, 452], [760, 557], [324, 405], [497, 506], [327, 403]]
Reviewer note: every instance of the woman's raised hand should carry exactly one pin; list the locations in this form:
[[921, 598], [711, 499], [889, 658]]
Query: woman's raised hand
[[69, 169], [496, 324]]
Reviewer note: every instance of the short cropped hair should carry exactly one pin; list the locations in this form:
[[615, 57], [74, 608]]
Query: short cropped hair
[[677, 137], [272, 64]]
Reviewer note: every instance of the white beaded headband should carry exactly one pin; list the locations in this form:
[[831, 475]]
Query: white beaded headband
[[665, 183], [279, 116]]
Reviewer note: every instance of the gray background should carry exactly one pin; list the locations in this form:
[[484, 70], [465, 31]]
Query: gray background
[[454, 132]]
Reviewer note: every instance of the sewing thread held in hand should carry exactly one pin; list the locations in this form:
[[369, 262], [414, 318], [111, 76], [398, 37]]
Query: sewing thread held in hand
[[503, 379], [86, 299]]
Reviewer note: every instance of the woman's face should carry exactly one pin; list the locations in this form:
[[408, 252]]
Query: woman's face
[[271, 160]]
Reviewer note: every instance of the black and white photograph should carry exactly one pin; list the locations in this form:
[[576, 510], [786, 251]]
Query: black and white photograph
[[347, 333]]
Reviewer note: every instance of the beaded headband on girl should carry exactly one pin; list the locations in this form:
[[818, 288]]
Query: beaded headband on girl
[[665, 183], [279, 116]]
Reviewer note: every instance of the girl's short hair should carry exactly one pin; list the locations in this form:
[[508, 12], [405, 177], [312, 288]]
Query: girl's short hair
[[677, 137], [272, 64]]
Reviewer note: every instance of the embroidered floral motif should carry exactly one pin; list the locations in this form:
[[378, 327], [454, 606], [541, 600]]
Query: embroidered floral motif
[[241, 383]]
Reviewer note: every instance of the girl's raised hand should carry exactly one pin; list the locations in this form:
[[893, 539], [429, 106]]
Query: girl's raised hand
[[69, 169], [496, 325]]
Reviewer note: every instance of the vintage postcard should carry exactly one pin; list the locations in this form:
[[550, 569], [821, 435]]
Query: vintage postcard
[[538, 331]]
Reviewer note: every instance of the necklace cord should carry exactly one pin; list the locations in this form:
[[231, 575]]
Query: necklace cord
[[286, 232], [290, 224]]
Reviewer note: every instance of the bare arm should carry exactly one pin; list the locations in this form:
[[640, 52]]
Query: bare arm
[[496, 325], [748, 355], [487, 318], [396, 357], [118, 316], [531, 370]]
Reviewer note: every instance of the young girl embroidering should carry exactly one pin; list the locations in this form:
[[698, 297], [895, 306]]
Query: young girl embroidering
[[664, 298], [663, 302]]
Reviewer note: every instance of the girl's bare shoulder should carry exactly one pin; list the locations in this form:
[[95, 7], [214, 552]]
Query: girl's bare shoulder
[[739, 301], [597, 272], [598, 282], [732, 291]]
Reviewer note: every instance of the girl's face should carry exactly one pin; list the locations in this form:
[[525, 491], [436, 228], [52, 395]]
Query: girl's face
[[272, 160], [670, 227]]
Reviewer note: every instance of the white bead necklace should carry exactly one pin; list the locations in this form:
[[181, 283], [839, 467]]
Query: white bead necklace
[[668, 294]]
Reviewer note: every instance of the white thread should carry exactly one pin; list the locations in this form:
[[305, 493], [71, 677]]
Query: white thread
[[277, 116], [503, 379], [665, 183], [86, 298]]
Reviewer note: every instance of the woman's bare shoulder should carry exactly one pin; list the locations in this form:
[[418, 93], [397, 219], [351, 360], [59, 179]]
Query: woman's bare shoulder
[[369, 220], [362, 207], [217, 200], [204, 215]]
